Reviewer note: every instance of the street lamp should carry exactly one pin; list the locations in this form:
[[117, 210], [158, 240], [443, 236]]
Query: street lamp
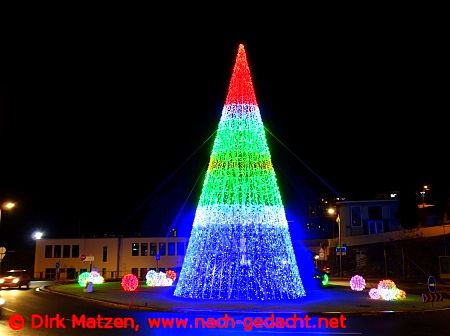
[[422, 193], [332, 211], [316, 257], [4, 206], [338, 220], [38, 235]]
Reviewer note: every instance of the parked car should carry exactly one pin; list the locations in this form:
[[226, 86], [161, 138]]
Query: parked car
[[15, 278]]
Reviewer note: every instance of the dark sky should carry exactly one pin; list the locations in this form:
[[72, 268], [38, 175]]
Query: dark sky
[[93, 119]]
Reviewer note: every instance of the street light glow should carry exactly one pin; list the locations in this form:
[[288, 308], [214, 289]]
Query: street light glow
[[8, 205], [331, 211], [38, 235]]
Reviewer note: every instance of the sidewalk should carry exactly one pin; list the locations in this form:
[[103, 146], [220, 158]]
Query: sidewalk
[[333, 299]]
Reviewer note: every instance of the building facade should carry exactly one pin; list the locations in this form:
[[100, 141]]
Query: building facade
[[369, 217], [111, 257]]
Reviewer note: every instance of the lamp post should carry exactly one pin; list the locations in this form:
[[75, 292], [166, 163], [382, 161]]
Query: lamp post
[[422, 193], [332, 212], [6, 206], [338, 220]]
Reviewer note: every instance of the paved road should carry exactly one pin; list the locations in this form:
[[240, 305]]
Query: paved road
[[29, 302]]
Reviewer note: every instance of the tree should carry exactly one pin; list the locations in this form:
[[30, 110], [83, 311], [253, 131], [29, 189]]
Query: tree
[[240, 246]]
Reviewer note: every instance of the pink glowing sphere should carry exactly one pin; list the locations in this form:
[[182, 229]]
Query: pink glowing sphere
[[373, 293], [357, 283]]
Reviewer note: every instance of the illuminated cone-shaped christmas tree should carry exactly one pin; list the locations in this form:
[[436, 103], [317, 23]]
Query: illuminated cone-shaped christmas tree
[[240, 247]]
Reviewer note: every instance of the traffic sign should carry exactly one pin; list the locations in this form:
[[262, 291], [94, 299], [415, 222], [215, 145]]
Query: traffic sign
[[431, 284], [89, 258], [341, 250], [321, 254], [82, 257], [157, 257], [432, 297], [57, 265]]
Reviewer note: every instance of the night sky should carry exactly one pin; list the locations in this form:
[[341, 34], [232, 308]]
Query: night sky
[[95, 120]]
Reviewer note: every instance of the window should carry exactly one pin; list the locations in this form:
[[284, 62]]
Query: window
[[152, 249], [162, 248], [105, 253], [48, 251], [393, 212], [103, 272], [143, 273], [71, 273], [135, 250], [374, 212], [144, 249], [375, 226], [171, 249], [75, 251], [66, 251], [356, 216], [162, 269], [444, 264], [57, 251], [135, 271], [50, 273], [180, 248], [83, 270]]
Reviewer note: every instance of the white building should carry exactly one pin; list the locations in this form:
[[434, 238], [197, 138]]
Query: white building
[[111, 257]]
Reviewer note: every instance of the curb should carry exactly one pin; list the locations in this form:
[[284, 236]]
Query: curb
[[106, 303], [119, 305]]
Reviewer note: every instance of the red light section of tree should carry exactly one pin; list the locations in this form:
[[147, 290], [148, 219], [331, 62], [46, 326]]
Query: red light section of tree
[[241, 86]]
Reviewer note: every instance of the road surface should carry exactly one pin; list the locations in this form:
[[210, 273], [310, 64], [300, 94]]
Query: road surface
[[73, 314]]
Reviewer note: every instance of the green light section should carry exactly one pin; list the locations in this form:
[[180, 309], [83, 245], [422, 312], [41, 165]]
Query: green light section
[[239, 137], [240, 171]]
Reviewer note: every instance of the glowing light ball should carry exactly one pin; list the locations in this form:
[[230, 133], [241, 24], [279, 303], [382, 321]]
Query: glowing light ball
[[130, 282], [373, 293], [400, 295], [240, 247], [357, 283], [325, 280], [84, 278], [171, 275], [158, 279], [96, 278], [386, 284], [387, 290]]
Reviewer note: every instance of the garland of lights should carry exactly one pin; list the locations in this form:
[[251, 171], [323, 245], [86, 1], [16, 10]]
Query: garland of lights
[[171, 275], [240, 247], [130, 282]]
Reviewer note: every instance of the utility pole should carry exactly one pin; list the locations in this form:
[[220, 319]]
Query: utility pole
[[338, 220]]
